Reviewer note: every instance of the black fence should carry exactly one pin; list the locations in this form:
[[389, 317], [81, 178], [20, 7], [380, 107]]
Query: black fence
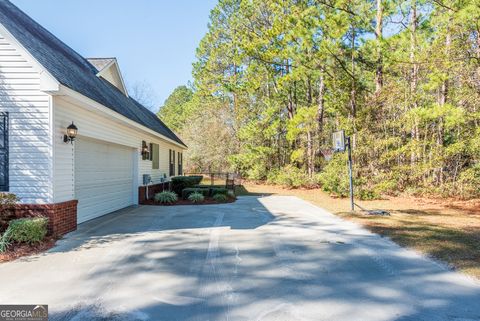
[[224, 179]]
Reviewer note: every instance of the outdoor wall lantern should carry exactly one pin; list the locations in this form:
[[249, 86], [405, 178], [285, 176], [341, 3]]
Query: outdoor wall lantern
[[145, 152], [72, 131]]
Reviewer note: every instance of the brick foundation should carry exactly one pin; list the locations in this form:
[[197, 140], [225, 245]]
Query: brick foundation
[[152, 190], [62, 217]]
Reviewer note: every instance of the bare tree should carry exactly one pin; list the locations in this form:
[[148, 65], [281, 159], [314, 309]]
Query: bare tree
[[144, 93]]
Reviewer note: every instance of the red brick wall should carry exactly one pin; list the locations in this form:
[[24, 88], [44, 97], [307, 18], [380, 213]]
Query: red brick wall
[[62, 217], [152, 190]]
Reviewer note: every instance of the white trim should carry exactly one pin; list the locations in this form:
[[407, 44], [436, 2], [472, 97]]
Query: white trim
[[51, 132], [114, 62], [91, 104], [48, 83], [136, 165]]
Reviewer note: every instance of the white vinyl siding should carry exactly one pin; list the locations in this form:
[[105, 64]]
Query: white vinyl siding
[[30, 137], [97, 126]]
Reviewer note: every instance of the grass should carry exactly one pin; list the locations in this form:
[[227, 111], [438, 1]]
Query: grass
[[446, 229]]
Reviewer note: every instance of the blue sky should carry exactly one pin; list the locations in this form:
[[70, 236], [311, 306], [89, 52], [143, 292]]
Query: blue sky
[[154, 40]]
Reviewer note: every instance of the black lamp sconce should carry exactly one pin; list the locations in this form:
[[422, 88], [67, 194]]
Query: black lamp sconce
[[145, 152], [72, 131]]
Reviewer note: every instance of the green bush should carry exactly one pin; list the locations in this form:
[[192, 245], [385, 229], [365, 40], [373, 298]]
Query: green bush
[[334, 177], [218, 190], [289, 176], [27, 230], [469, 182], [4, 241], [196, 197], [166, 197], [197, 179], [366, 194], [220, 198], [181, 182], [187, 191], [7, 212]]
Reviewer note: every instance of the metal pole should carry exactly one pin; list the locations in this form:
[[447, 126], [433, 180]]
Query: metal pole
[[349, 145]]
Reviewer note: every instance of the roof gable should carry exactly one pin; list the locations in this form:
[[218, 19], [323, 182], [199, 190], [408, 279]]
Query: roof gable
[[109, 69], [74, 71]]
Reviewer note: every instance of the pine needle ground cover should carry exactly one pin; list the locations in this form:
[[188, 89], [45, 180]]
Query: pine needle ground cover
[[445, 229]]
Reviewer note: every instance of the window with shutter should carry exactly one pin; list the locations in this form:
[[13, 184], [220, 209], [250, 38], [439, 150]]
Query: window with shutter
[[180, 163], [3, 152], [171, 163], [155, 152]]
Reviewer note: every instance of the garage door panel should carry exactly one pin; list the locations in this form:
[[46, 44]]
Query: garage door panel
[[103, 178]]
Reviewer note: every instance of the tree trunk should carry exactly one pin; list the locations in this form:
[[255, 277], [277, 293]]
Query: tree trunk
[[413, 76], [321, 104], [445, 86], [379, 37], [353, 93], [310, 145], [310, 154], [413, 51]]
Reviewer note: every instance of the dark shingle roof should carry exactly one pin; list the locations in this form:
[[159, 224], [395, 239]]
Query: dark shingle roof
[[74, 71]]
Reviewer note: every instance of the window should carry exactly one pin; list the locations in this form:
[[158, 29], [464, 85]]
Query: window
[[155, 156], [171, 162], [3, 152], [180, 163]]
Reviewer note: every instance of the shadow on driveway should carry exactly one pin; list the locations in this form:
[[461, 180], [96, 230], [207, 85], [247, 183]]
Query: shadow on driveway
[[272, 258]]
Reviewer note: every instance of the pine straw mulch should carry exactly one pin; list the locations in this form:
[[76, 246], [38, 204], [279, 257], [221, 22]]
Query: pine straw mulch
[[17, 250]]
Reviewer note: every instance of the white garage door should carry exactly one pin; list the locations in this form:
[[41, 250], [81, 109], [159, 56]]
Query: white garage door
[[103, 178]]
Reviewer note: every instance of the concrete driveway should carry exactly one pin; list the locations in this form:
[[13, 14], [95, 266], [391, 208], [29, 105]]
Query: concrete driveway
[[272, 258]]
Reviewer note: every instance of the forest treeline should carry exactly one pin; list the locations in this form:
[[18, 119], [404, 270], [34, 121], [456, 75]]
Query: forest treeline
[[274, 78]]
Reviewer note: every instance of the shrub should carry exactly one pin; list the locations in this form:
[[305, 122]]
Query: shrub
[[366, 194], [197, 179], [220, 198], [469, 182], [196, 197], [334, 177], [27, 230], [181, 182], [187, 191], [4, 241], [218, 190], [166, 197], [7, 212], [289, 176]]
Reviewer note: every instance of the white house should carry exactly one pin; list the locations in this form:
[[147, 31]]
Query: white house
[[44, 87]]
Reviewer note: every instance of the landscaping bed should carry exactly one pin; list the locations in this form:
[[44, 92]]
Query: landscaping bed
[[21, 236], [17, 250], [187, 202], [187, 190]]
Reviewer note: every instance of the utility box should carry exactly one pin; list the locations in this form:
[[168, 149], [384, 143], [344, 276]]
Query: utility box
[[147, 179]]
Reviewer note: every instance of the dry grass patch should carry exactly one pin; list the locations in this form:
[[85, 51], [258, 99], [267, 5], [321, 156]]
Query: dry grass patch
[[446, 229]]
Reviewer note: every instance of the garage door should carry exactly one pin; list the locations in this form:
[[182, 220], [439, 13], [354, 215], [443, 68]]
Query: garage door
[[103, 178]]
